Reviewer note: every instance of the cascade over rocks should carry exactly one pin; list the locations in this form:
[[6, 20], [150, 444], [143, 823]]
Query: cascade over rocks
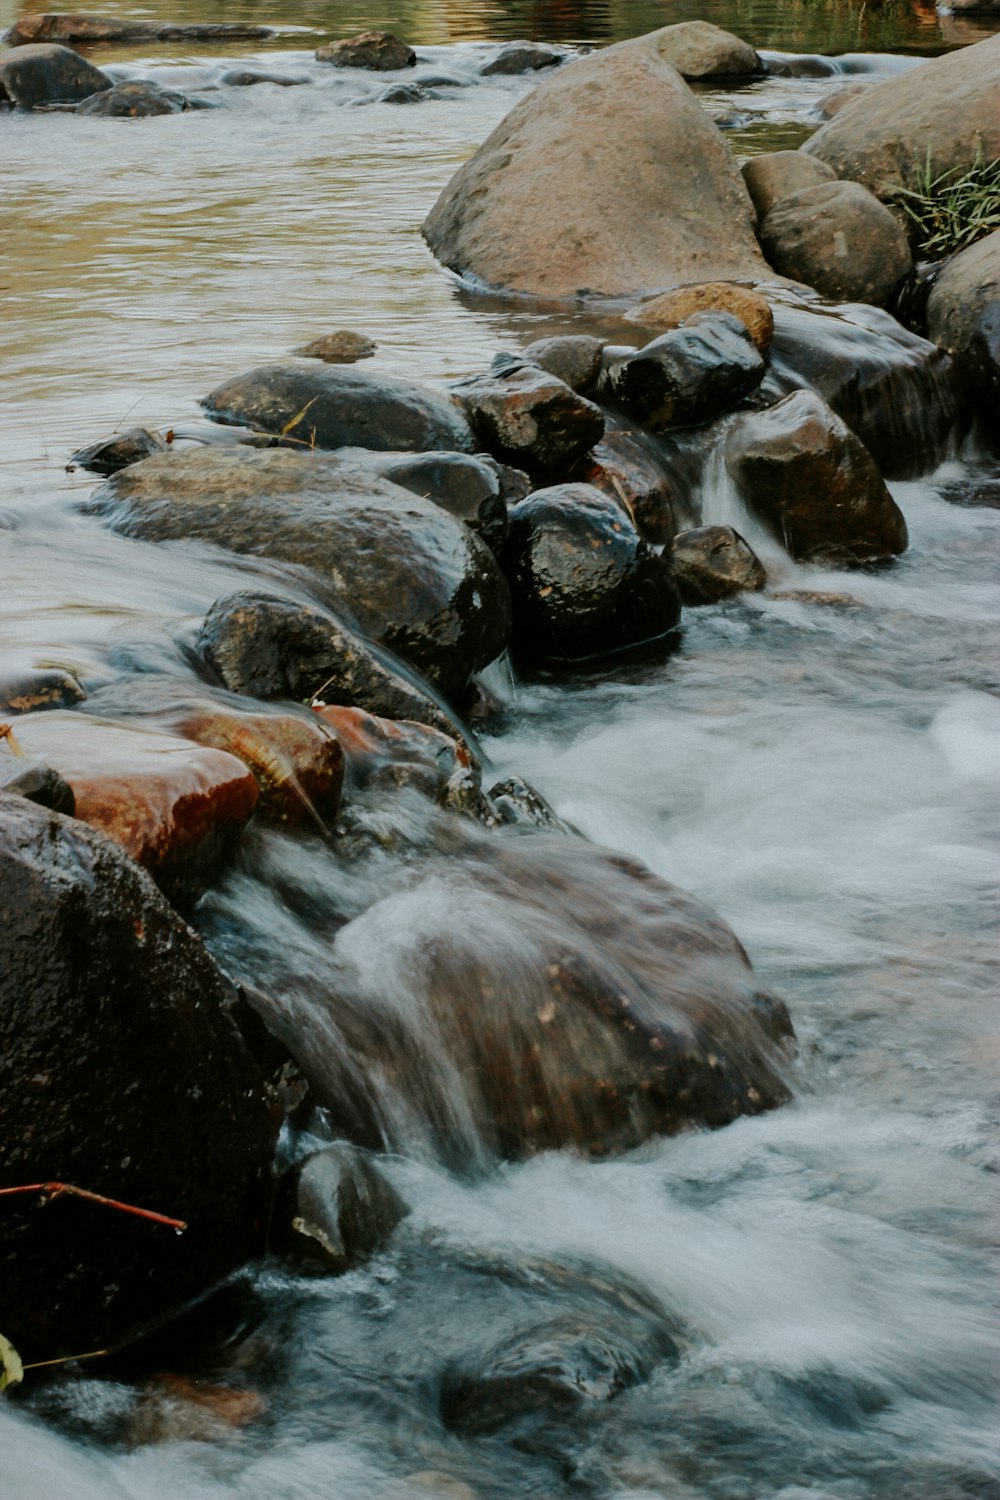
[[948, 107], [393, 754], [335, 1210], [583, 583], [45, 73], [265, 647], [803, 471], [537, 993], [713, 563], [120, 1072], [697, 49], [837, 238], [609, 177], [531, 419], [691, 373], [895, 390], [336, 407], [175, 807], [963, 313], [413, 578]]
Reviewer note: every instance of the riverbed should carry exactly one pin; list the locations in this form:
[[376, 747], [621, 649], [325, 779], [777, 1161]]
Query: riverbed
[[824, 774]]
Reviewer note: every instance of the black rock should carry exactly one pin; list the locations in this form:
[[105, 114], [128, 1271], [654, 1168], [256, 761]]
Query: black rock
[[335, 1210], [114, 453], [337, 407], [45, 73], [269, 648], [37, 782], [690, 374], [121, 1072], [583, 583], [133, 100], [473, 488], [531, 419], [574, 358], [523, 57]]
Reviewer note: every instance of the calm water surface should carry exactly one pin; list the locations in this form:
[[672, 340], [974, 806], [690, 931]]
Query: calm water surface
[[826, 776]]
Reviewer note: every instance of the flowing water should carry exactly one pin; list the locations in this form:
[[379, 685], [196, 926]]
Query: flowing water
[[799, 1305]]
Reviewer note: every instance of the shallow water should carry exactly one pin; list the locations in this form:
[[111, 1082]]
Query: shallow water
[[824, 775]]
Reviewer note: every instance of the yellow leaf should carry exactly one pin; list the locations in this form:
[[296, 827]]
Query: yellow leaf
[[11, 1369]]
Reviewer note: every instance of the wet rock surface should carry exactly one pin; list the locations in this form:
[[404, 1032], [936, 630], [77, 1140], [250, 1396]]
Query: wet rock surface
[[111, 454], [114, 1021], [815, 484], [838, 238], [377, 50], [335, 1210], [625, 467], [341, 408], [573, 192], [174, 807], [712, 563], [409, 575], [37, 782], [266, 647], [471, 487], [583, 583], [673, 308], [25, 692], [530, 419], [392, 754], [46, 73], [691, 373], [136, 99]]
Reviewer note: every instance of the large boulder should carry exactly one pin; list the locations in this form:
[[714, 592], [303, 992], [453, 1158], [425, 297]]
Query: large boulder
[[698, 50], [942, 113], [175, 807], [690, 373], [609, 177], [583, 583], [779, 174], [337, 407], [531, 994], [814, 483], [44, 73], [840, 239], [122, 1073], [963, 312], [412, 577]]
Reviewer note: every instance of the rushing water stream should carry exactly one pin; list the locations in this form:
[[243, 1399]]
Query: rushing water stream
[[807, 1299]]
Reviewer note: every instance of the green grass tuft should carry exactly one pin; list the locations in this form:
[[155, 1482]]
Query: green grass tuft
[[955, 209]]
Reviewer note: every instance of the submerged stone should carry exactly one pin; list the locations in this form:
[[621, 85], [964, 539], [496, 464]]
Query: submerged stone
[[335, 1210]]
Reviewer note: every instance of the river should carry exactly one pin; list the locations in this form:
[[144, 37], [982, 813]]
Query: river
[[825, 775]]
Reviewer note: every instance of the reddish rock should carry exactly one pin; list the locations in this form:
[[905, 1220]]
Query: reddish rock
[[400, 753], [621, 466], [176, 808]]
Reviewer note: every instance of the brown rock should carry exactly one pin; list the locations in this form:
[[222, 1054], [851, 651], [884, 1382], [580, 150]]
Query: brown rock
[[963, 312], [176, 808], [180, 1408], [378, 50], [341, 348], [574, 358], [609, 177], [778, 174], [814, 483], [72, 27], [698, 49], [531, 419], [398, 753], [670, 309], [45, 687], [838, 238], [831, 104], [713, 563], [949, 107], [623, 467]]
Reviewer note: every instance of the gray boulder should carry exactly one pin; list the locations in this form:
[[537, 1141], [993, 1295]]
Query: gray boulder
[[779, 174], [963, 310], [412, 577], [837, 238], [814, 483], [45, 73], [698, 49], [948, 107], [335, 407], [608, 177], [472, 487]]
